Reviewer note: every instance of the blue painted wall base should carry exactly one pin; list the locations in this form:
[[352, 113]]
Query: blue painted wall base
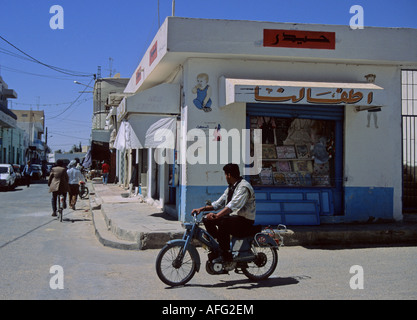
[[360, 203]]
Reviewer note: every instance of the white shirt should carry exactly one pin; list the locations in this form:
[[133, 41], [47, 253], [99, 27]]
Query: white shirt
[[74, 176], [242, 203]]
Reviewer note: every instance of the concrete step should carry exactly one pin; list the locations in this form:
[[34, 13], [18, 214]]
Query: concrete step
[[108, 238]]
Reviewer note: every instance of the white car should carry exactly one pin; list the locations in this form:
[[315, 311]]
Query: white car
[[7, 176]]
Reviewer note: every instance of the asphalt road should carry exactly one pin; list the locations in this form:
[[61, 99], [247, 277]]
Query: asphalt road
[[32, 244]]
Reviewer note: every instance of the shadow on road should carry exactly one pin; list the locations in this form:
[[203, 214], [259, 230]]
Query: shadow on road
[[248, 284]]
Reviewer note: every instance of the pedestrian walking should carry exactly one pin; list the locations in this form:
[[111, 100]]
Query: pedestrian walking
[[58, 184], [74, 178], [105, 168], [27, 173]]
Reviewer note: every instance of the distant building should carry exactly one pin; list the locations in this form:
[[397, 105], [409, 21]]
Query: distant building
[[13, 140], [106, 92], [33, 123], [66, 156]]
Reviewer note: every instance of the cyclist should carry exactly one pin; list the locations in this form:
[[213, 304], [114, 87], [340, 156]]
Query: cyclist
[[58, 183], [237, 214]]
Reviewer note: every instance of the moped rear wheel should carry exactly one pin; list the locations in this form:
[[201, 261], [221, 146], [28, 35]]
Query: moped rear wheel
[[264, 264], [175, 267]]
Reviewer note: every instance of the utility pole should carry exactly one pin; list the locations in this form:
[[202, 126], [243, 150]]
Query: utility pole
[[111, 66], [173, 12], [97, 108]]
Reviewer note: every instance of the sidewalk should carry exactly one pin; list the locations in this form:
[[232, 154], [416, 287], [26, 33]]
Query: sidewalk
[[131, 224]]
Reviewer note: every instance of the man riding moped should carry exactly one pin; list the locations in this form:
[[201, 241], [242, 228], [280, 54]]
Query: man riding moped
[[237, 214]]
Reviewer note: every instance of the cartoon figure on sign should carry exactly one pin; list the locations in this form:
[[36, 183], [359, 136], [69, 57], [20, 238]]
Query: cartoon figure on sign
[[203, 91], [373, 112]]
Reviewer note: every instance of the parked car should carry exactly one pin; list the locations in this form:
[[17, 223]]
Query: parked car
[[48, 169], [19, 177], [36, 171], [7, 176]]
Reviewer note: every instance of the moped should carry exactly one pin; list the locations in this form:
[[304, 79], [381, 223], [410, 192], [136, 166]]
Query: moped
[[255, 255], [83, 190]]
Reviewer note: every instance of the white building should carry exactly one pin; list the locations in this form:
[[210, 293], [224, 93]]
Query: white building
[[327, 99], [13, 140]]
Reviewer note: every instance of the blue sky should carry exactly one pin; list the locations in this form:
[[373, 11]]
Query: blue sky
[[95, 31]]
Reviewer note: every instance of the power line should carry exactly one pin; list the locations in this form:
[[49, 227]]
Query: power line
[[64, 135], [56, 116], [57, 69], [47, 104], [34, 74]]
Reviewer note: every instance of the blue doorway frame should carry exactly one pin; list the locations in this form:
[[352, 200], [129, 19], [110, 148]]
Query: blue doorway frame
[[301, 205]]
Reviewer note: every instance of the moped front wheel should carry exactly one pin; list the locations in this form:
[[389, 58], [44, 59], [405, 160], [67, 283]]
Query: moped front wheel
[[174, 266], [264, 264]]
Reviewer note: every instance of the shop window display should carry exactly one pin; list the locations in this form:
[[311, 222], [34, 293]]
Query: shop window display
[[295, 152]]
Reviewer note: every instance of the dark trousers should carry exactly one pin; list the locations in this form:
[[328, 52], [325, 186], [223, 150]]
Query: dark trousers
[[73, 193], [28, 179], [55, 198], [223, 228]]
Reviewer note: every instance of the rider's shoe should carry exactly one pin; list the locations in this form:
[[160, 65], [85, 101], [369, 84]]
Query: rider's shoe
[[225, 257], [54, 214], [213, 255]]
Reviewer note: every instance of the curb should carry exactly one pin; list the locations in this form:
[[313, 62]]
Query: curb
[[101, 230], [106, 238], [111, 235]]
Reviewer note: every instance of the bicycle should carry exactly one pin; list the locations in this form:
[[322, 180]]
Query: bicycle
[[61, 201]]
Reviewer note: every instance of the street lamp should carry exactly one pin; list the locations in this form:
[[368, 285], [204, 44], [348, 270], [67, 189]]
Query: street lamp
[[85, 85]]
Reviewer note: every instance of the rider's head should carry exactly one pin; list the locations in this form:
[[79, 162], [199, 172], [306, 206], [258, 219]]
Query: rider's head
[[232, 172]]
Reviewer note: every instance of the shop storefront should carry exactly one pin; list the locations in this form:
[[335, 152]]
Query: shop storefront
[[330, 116]]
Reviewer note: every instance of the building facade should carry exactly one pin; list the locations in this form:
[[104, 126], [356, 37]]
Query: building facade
[[13, 141], [311, 113], [102, 124], [32, 123]]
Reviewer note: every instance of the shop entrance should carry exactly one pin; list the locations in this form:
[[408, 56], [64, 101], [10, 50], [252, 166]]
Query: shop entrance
[[302, 168]]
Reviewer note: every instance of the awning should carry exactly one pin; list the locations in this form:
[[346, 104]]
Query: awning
[[363, 95], [7, 118], [161, 134], [161, 99], [87, 160], [100, 135], [126, 138], [146, 131]]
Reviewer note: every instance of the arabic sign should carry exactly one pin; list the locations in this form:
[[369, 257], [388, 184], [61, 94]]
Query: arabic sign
[[153, 53], [299, 39], [320, 96], [306, 95]]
